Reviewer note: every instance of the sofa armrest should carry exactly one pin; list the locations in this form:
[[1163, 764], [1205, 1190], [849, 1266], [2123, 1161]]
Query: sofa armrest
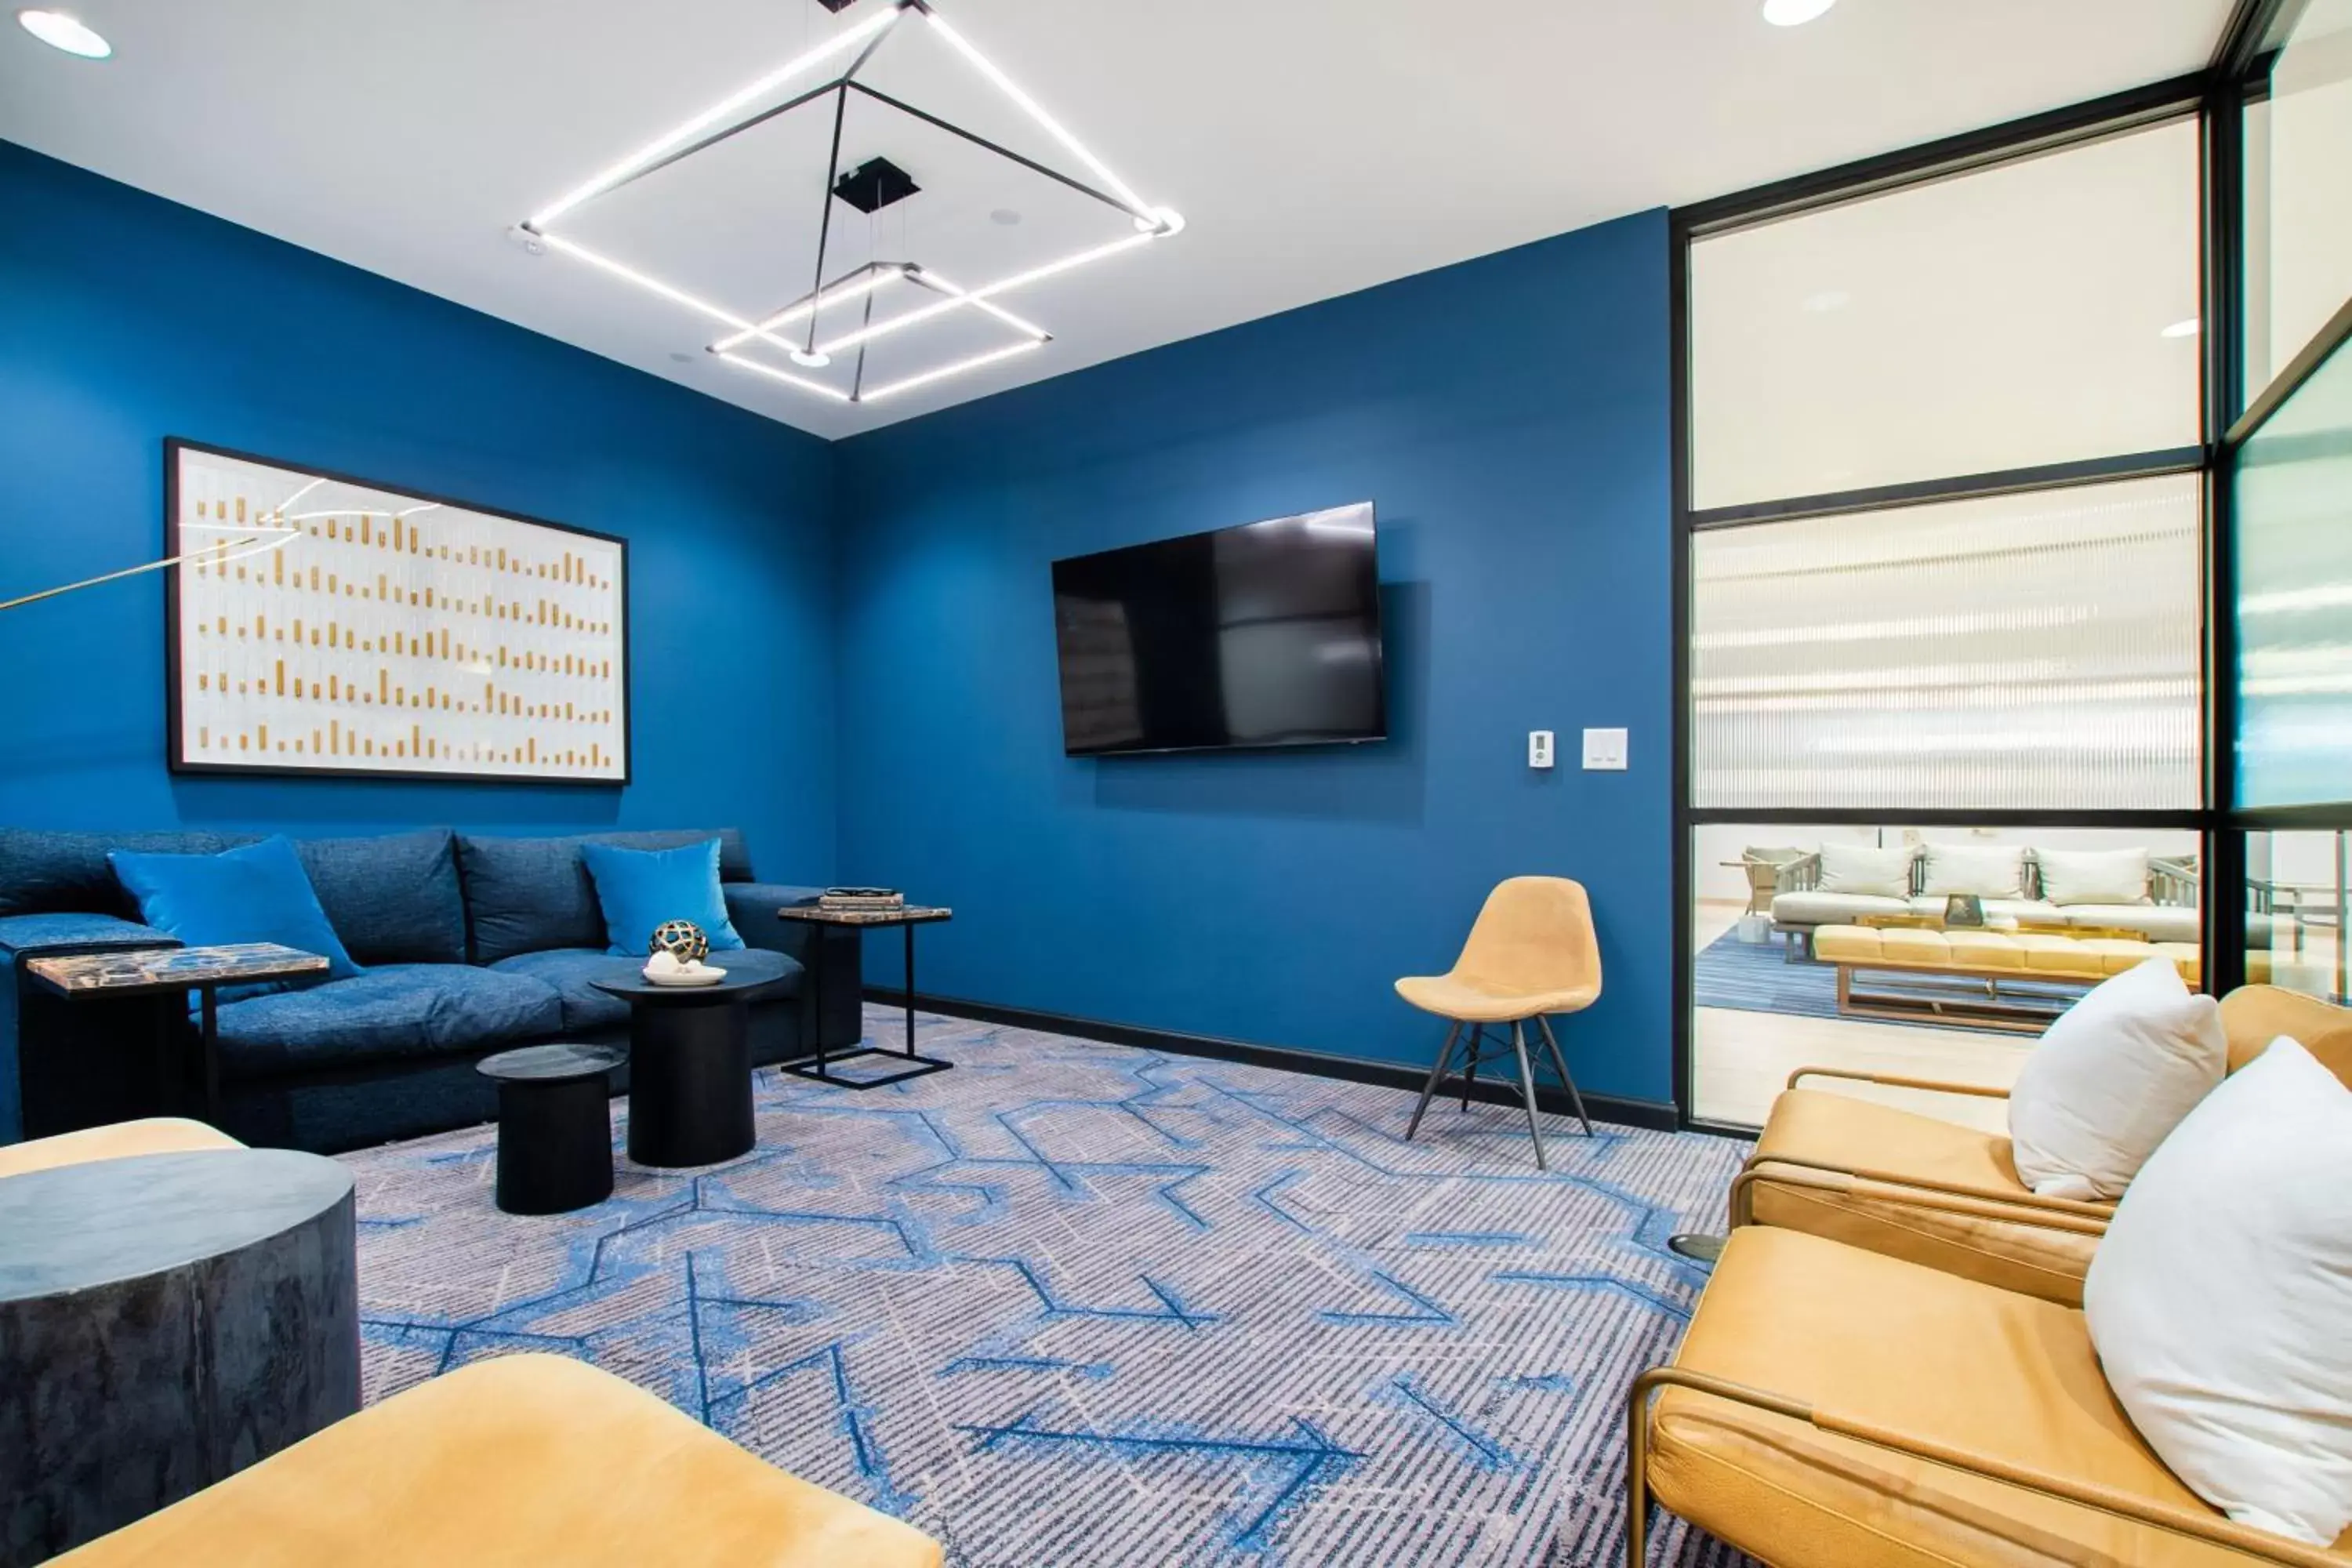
[[24, 936], [752, 907], [41, 1044], [1801, 874]]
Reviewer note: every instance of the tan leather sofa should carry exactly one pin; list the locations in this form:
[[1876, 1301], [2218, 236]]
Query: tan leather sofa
[[154, 1135], [514, 1463], [1833, 1407], [1929, 1191]]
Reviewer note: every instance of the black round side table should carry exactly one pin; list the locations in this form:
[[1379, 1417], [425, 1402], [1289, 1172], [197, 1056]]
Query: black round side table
[[690, 1068], [555, 1126], [166, 1320]]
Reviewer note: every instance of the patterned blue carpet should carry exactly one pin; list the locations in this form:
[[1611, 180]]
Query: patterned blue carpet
[[1075, 1305]]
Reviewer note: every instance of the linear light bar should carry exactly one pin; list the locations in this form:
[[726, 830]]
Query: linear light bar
[[883, 272], [787, 377], [717, 111], [1136, 206], [652, 285], [924, 275], [1150, 223], [945, 371], [980, 295]]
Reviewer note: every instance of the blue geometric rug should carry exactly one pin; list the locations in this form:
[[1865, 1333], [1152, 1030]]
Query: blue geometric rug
[[1074, 1305]]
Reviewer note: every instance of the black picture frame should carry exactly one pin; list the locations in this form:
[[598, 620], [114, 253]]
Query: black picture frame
[[174, 750]]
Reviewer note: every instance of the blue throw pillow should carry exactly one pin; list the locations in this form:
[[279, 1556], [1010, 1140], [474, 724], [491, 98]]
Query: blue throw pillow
[[639, 888], [256, 893]]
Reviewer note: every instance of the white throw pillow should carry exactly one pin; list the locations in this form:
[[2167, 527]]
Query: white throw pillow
[[2110, 1078], [2218, 1299], [1866, 870], [1988, 870], [2094, 875]]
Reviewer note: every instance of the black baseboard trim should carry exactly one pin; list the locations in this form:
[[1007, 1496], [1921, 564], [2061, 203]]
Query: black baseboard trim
[[1655, 1115]]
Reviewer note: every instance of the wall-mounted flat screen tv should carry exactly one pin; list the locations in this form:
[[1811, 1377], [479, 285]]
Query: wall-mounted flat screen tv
[[1265, 634]]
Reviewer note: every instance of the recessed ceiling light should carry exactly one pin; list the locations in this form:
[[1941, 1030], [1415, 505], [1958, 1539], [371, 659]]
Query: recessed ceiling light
[[1828, 299], [1794, 13], [60, 31], [2187, 329], [1004, 215]]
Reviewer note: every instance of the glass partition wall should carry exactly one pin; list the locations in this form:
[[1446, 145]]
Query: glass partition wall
[[1943, 602], [2014, 574]]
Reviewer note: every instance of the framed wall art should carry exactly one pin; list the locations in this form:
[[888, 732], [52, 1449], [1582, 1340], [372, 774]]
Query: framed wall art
[[327, 625]]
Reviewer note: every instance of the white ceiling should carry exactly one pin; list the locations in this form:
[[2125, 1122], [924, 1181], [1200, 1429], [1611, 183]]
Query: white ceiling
[[1315, 147]]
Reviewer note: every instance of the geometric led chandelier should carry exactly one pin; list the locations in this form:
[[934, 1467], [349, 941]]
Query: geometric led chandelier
[[880, 288]]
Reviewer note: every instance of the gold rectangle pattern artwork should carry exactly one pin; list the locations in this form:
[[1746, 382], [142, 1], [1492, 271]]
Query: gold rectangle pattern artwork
[[415, 596]]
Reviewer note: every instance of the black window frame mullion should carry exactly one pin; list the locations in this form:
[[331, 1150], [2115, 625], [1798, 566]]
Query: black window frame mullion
[[2222, 849]]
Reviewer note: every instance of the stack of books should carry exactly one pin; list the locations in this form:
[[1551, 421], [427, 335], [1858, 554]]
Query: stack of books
[[861, 900]]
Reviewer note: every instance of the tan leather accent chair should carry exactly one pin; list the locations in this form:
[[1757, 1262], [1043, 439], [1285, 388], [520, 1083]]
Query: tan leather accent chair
[[1531, 952], [512, 1463], [154, 1135], [1914, 1187], [1833, 1407]]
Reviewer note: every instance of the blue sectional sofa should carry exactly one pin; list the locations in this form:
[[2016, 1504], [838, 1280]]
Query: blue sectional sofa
[[470, 944]]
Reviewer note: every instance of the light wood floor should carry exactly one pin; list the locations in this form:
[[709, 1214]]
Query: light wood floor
[[1741, 1060]]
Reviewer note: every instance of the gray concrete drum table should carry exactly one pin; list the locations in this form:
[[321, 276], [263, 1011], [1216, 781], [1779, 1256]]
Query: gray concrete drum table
[[166, 1320]]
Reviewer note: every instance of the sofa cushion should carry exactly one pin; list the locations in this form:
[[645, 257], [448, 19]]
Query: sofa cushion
[[1867, 869], [1994, 909], [2094, 875], [573, 972], [1816, 1128], [639, 890], [2111, 1079], [531, 895], [734, 854], [1905, 1348], [394, 1010], [1832, 908], [2219, 1298], [2158, 922], [256, 893], [1988, 870], [45, 872], [392, 898]]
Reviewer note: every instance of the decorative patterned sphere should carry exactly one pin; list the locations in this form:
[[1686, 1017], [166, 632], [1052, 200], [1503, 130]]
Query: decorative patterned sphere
[[682, 940]]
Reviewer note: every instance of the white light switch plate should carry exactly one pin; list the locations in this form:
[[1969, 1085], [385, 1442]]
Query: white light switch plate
[[1540, 749], [1604, 750]]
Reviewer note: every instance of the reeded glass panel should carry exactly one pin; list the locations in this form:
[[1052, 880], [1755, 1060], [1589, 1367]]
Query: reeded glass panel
[[2298, 211], [2039, 311], [2015, 652], [2295, 905], [2294, 598]]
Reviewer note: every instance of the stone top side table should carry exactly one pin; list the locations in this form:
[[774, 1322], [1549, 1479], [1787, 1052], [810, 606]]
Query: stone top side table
[[166, 1320]]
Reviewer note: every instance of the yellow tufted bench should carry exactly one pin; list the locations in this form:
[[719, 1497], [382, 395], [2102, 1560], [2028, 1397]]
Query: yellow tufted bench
[[1988, 957]]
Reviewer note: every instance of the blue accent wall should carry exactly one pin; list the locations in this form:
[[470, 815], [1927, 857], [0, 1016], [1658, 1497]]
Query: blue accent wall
[[125, 318], [1509, 418]]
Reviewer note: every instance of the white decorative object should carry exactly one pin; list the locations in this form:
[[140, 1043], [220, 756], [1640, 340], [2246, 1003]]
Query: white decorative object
[[664, 968], [2219, 1298], [390, 633], [2110, 1078], [1864, 869], [2093, 875]]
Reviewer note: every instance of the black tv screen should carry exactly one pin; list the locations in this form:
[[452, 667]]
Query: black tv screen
[[1265, 634]]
